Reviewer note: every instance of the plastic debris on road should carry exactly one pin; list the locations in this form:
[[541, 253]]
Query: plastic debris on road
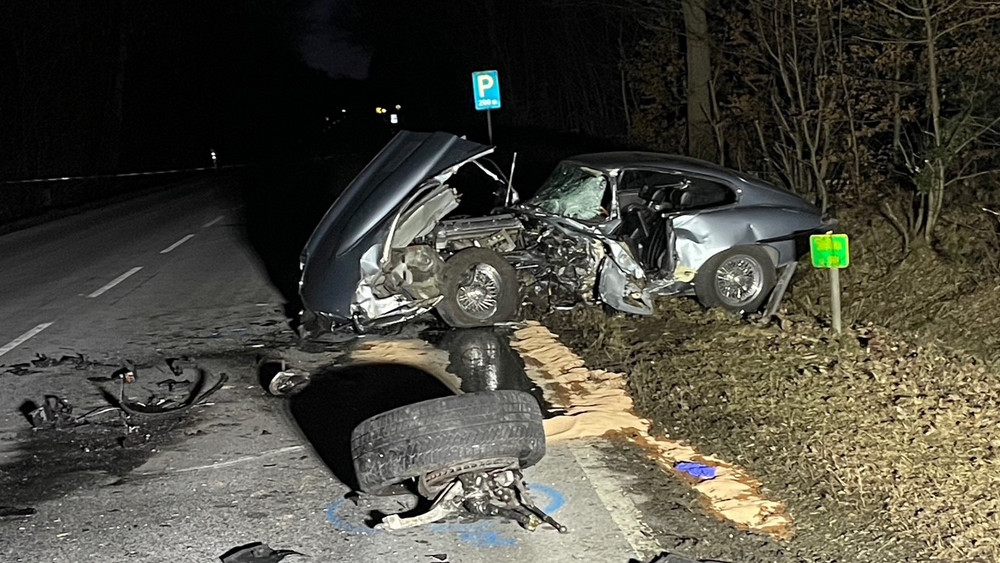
[[696, 470], [256, 552]]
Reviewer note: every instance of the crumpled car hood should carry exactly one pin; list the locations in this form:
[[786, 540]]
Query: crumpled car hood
[[361, 216]]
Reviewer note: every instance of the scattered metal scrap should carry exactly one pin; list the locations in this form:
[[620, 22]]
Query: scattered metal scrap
[[558, 271], [178, 365], [286, 381], [486, 492], [397, 500], [16, 512], [56, 412], [20, 369], [170, 384], [79, 361], [667, 557], [162, 406], [41, 361], [256, 552], [126, 373]]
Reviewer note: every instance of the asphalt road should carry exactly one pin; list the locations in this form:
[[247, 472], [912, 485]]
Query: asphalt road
[[171, 274]]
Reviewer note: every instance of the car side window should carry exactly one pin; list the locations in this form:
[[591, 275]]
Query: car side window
[[701, 194], [651, 188], [674, 191]]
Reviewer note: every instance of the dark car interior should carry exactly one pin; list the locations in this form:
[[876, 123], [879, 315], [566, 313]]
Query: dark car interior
[[647, 198]]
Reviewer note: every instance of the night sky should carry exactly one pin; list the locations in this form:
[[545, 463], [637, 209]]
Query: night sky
[[121, 86], [326, 47]]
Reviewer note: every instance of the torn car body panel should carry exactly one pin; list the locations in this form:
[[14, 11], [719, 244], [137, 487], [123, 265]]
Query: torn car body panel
[[346, 254], [700, 236]]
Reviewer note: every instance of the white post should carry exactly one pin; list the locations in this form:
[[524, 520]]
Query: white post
[[835, 298]]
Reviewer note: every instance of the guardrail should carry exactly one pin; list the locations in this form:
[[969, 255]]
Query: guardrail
[[22, 199]]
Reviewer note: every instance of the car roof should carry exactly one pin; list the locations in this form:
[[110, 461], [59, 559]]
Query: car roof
[[656, 161], [765, 192]]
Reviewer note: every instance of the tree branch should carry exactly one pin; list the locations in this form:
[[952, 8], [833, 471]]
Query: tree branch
[[974, 175], [899, 12], [960, 25]]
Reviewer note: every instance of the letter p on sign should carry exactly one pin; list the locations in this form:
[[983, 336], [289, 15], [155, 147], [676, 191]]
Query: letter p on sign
[[486, 89], [484, 83]]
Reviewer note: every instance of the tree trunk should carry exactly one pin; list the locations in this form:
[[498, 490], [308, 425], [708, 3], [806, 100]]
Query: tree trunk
[[699, 72], [936, 189]]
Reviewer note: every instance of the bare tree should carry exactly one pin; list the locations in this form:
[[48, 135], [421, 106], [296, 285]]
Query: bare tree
[[701, 142], [954, 44], [805, 128]]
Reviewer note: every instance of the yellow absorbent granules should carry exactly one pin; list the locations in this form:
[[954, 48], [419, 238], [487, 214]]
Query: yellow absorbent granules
[[596, 404]]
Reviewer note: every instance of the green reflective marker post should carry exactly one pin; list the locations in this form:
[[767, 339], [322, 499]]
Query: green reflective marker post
[[831, 251]]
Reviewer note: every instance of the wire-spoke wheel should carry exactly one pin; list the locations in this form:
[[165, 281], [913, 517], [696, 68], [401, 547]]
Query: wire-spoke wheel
[[738, 279], [479, 291], [479, 288]]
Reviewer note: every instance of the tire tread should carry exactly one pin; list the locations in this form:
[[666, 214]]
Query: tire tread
[[431, 435]]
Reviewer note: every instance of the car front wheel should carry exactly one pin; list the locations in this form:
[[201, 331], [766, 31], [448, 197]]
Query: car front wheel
[[479, 288], [738, 279]]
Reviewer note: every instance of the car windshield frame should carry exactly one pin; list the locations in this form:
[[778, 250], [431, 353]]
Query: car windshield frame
[[574, 191]]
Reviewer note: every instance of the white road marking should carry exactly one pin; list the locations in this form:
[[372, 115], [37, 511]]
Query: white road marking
[[114, 282], [623, 511], [21, 339], [212, 222], [176, 244]]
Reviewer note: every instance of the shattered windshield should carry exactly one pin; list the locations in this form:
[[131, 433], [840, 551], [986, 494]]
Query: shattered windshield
[[572, 191]]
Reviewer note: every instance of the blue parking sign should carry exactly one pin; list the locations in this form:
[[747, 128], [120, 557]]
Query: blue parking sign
[[486, 89]]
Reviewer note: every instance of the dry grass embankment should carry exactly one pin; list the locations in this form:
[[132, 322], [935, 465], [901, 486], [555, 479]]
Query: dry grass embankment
[[883, 442]]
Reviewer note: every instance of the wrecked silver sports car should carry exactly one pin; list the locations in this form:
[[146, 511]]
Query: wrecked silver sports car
[[614, 228]]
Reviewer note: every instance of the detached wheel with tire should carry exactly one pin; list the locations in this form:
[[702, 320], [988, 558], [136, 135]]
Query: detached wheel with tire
[[442, 436], [479, 288], [738, 279]]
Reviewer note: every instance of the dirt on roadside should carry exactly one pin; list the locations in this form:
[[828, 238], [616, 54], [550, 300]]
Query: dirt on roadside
[[881, 441]]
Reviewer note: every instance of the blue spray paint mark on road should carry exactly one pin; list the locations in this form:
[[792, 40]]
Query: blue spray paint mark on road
[[483, 533], [486, 539], [554, 499], [342, 524]]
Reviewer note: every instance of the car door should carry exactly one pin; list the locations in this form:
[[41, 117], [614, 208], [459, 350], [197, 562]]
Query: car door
[[655, 204], [644, 198]]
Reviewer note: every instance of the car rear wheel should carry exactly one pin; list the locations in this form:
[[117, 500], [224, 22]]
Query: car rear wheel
[[436, 439], [479, 288], [738, 279]]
